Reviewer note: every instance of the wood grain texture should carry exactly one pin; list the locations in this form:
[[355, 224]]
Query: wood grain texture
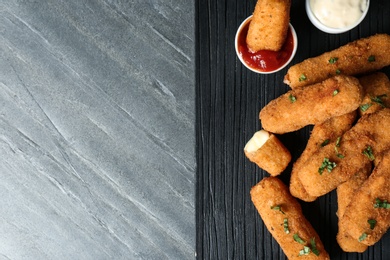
[[97, 135], [228, 100]]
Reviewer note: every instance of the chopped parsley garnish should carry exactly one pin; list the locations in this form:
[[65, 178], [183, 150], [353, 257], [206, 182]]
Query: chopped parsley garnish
[[278, 208], [302, 77], [314, 247], [339, 155], [333, 60], [381, 204], [378, 100], [372, 223], [304, 251], [292, 98], [371, 58], [335, 92], [338, 72], [362, 237], [338, 140], [285, 226], [324, 143], [368, 152], [365, 107], [298, 239], [307, 249], [326, 164]]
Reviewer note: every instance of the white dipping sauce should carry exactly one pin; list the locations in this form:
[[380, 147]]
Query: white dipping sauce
[[338, 13]]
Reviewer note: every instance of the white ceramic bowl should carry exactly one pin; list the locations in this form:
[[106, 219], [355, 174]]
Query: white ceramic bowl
[[332, 30], [239, 31]]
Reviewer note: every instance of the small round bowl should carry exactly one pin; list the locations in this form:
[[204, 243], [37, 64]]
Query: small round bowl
[[317, 23], [242, 29]]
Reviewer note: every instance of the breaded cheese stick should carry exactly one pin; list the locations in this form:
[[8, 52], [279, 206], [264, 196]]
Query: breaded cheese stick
[[307, 106], [321, 135], [325, 169], [367, 217], [283, 217], [268, 152], [269, 25], [345, 193], [357, 57], [338, 161], [376, 87], [346, 190]]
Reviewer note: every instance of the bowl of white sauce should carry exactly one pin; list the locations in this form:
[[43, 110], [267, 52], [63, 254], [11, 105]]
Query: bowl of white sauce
[[336, 16]]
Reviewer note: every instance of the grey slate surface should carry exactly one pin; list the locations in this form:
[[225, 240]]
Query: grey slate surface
[[97, 136]]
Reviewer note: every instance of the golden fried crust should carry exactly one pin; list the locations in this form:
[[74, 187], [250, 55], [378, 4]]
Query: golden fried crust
[[361, 56], [318, 183], [269, 25], [346, 190], [376, 87], [321, 134], [270, 193], [362, 207], [333, 97], [370, 131], [272, 157], [345, 193]]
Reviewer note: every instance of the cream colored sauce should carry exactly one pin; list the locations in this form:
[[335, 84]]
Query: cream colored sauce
[[338, 13]]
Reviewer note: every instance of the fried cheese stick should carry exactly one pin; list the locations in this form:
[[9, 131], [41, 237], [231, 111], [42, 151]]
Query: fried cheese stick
[[307, 106], [321, 135], [357, 57], [345, 194], [346, 190], [338, 161], [283, 217], [376, 87], [268, 152], [367, 217], [269, 25]]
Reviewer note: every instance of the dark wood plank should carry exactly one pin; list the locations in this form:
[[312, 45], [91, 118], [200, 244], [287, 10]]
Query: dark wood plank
[[228, 100]]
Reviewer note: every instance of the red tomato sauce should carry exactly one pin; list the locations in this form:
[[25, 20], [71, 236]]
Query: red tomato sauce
[[265, 60]]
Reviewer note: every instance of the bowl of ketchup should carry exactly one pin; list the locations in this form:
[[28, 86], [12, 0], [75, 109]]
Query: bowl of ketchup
[[265, 61]]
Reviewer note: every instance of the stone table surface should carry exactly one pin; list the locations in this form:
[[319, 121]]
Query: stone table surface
[[97, 134]]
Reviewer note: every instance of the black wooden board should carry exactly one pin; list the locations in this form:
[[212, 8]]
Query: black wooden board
[[228, 100]]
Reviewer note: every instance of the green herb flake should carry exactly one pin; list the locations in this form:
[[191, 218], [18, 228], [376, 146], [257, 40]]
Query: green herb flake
[[333, 60], [292, 98], [325, 143], [365, 107], [338, 140], [372, 223], [378, 100], [381, 204], [285, 226], [326, 164], [304, 251], [338, 72], [314, 247], [278, 208], [368, 152], [335, 92], [371, 58], [302, 77], [362, 237], [298, 239], [339, 155]]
